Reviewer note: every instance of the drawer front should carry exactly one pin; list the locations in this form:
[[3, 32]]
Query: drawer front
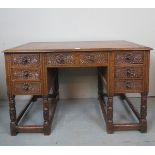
[[129, 58], [129, 72], [94, 58], [60, 58], [25, 60], [26, 74], [128, 86], [26, 88]]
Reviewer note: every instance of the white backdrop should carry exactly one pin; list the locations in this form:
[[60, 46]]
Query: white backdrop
[[19, 26]]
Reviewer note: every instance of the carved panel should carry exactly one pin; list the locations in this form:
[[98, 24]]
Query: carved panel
[[25, 59], [129, 72], [94, 58], [60, 58], [129, 58], [26, 74], [26, 88], [128, 86]]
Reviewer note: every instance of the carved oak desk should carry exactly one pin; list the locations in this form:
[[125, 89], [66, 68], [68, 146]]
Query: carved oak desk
[[32, 69]]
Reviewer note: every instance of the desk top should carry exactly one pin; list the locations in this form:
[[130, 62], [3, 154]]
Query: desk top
[[78, 46]]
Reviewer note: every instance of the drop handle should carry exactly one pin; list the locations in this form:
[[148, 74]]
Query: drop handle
[[130, 73], [90, 58], [25, 60], [128, 85], [129, 57], [26, 86], [26, 74]]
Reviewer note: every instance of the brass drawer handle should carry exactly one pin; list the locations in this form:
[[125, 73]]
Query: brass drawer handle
[[128, 85], [27, 86], [25, 60], [26, 74], [90, 58], [130, 73], [129, 57]]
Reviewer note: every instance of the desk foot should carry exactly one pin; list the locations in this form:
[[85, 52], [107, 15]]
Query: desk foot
[[143, 112], [110, 115], [46, 115], [12, 110], [13, 130]]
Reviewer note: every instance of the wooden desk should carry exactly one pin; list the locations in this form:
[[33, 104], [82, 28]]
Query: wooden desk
[[32, 69]]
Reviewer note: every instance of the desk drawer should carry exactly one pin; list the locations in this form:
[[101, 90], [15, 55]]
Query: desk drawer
[[128, 72], [26, 74], [128, 86], [27, 88], [129, 57], [25, 60], [60, 58], [93, 58]]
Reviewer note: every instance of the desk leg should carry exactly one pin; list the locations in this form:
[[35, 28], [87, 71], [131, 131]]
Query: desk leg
[[12, 110], [110, 115], [143, 112], [46, 115], [57, 84]]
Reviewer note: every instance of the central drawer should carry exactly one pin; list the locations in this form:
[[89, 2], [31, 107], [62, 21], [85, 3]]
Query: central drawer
[[77, 59]]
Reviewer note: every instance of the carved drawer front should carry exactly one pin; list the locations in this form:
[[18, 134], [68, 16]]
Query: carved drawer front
[[129, 72], [94, 58], [25, 59], [128, 85], [129, 58], [26, 88], [26, 74], [60, 58]]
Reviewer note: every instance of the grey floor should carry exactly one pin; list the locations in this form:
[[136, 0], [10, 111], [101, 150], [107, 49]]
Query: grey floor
[[79, 122]]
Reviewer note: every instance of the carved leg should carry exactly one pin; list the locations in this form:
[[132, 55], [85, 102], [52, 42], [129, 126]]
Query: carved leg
[[143, 112], [110, 115], [46, 115], [12, 110]]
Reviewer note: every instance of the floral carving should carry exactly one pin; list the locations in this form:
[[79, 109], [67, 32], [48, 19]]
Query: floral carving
[[58, 58], [89, 58]]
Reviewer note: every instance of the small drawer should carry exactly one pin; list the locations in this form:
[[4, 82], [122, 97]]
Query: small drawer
[[94, 58], [26, 74], [25, 60], [128, 86], [129, 57], [27, 88], [128, 72], [60, 58]]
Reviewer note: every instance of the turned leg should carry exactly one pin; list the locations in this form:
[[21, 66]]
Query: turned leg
[[100, 85], [57, 84], [46, 115], [110, 115], [12, 110], [143, 112]]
